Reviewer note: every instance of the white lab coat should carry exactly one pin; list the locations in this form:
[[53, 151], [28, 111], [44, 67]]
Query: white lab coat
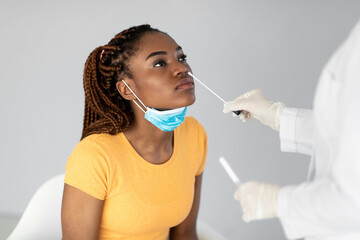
[[327, 207]]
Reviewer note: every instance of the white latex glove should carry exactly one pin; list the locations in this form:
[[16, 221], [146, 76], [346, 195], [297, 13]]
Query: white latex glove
[[258, 200], [254, 104]]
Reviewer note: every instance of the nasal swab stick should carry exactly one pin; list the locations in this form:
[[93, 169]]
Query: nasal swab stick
[[236, 112], [229, 171], [207, 87]]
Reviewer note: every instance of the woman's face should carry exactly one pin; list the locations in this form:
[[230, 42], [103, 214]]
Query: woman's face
[[159, 70]]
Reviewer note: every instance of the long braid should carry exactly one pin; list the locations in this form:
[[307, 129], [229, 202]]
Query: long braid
[[105, 110]]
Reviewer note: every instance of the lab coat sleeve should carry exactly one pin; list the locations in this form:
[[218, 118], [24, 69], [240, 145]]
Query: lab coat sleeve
[[296, 131], [331, 206]]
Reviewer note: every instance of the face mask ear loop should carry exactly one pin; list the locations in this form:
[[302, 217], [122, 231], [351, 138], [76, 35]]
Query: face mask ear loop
[[135, 96]]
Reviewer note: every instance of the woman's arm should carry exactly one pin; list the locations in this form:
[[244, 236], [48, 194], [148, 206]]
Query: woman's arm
[[187, 229], [80, 214]]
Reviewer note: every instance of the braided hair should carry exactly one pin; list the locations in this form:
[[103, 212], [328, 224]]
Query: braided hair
[[105, 109]]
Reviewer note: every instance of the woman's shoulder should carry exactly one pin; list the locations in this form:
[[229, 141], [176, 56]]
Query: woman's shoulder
[[192, 124], [92, 151], [96, 142], [99, 139], [191, 121]]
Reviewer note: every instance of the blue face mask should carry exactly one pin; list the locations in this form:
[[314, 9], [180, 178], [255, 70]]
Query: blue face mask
[[166, 120]]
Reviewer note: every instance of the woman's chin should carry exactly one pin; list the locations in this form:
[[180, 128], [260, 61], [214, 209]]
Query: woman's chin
[[190, 101], [184, 102]]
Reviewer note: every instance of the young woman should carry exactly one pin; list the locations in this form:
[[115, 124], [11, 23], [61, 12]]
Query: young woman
[[136, 173]]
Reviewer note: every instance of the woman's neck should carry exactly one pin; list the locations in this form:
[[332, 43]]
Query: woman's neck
[[152, 144]]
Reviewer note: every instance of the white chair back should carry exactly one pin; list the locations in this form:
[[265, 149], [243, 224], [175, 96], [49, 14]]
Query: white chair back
[[41, 219]]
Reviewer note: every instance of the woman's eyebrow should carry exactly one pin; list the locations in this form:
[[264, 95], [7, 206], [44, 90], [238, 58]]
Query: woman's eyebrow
[[155, 53], [161, 53]]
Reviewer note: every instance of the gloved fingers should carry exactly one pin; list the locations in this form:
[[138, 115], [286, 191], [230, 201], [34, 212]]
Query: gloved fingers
[[244, 102], [243, 193], [232, 106], [246, 116], [242, 115], [248, 94], [242, 97], [258, 200], [237, 194], [245, 196], [256, 91], [241, 105], [250, 186], [247, 217]]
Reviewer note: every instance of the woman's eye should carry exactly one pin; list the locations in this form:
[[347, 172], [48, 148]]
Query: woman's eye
[[160, 63], [182, 58]]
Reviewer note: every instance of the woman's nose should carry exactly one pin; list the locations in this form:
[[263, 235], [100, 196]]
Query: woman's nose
[[180, 69]]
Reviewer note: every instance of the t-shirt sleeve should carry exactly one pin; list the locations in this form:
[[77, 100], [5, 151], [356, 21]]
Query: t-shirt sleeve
[[203, 147], [87, 169]]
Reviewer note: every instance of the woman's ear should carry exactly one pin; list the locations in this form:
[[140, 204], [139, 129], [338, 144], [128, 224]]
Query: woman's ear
[[124, 90]]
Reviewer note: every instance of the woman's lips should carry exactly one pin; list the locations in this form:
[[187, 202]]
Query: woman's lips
[[186, 83]]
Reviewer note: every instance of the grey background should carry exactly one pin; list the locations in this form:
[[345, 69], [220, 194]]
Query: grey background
[[233, 46]]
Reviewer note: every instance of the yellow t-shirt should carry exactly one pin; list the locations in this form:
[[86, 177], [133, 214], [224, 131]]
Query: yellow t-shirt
[[141, 200]]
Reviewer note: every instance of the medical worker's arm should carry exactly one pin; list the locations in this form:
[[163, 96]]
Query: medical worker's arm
[[295, 125], [187, 229], [296, 131], [332, 205], [80, 215], [327, 206]]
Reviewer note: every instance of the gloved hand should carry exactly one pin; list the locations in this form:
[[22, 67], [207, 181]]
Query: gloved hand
[[258, 200], [254, 104]]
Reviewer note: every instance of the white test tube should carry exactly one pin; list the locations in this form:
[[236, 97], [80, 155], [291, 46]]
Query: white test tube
[[229, 171]]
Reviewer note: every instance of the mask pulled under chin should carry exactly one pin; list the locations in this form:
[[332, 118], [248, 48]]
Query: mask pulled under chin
[[166, 120]]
